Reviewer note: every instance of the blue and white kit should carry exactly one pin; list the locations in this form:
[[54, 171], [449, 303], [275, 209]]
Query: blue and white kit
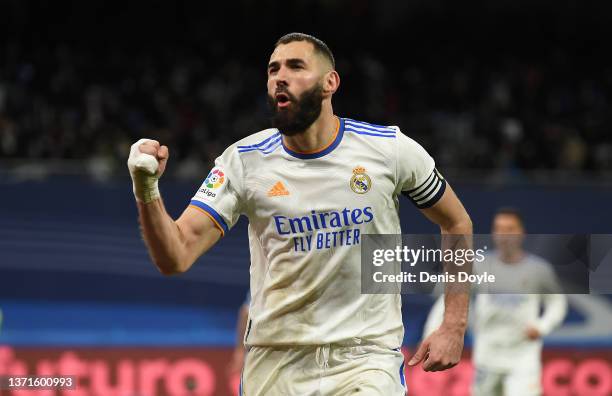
[[307, 213]]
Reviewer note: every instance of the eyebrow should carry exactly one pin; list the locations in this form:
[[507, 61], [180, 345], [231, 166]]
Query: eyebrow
[[273, 64], [295, 62], [290, 62]]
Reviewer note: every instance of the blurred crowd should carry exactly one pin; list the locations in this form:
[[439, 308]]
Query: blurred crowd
[[469, 111]]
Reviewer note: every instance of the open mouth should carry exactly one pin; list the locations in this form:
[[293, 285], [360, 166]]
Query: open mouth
[[282, 100]]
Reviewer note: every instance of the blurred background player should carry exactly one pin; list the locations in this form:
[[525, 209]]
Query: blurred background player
[[508, 328], [310, 329]]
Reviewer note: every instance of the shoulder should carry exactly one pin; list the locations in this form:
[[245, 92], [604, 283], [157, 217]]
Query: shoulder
[[263, 142], [367, 136], [239, 154], [480, 265], [390, 136], [370, 130], [538, 262]]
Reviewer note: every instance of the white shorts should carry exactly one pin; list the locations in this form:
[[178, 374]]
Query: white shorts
[[333, 370], [506, 383]]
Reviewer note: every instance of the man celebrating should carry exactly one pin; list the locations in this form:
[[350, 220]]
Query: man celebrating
[[311, 186]]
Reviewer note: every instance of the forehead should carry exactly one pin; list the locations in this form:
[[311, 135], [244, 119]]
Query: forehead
[[507, 219], [293, 50]]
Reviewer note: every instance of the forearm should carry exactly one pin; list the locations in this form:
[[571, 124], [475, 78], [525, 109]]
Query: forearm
[[163, 238], [555, 309], [461, 226], [456, 307], [457, 236]]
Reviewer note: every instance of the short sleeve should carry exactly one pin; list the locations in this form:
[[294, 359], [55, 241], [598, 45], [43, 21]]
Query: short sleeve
[[417, 176], [220, 194]]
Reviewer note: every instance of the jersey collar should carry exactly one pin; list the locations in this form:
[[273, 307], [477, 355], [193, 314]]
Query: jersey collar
[[325, 150]]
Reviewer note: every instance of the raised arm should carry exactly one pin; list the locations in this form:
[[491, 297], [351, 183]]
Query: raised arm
[[173, 245]]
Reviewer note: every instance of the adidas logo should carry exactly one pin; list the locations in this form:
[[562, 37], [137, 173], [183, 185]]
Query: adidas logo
[[277, 190]]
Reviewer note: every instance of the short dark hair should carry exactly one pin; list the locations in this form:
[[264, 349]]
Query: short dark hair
[[512, 211], [319, 45]]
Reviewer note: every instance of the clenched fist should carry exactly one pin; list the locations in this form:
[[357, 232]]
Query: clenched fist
[[147, 162]]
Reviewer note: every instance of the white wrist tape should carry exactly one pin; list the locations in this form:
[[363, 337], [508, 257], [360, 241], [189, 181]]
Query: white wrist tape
[[143, 170]]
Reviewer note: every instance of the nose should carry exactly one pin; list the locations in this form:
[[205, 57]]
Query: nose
[[280, 78], [281, 85]]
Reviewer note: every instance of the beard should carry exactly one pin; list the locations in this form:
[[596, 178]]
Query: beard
[[300, 115]]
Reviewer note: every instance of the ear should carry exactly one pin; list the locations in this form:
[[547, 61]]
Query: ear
[[331, 82]]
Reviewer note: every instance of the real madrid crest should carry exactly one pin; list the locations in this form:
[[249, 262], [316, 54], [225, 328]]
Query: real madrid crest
[[360, 181]]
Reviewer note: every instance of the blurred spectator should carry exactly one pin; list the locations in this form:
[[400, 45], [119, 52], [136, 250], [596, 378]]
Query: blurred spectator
[[533, 108]]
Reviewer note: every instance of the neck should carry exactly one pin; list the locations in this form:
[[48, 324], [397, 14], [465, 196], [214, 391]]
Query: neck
[[512, 256], [318, 136]]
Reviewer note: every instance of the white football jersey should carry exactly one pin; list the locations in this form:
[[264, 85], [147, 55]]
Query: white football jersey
[[307, 213], [502, 319]]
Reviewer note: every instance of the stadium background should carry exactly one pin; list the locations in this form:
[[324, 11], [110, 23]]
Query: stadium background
[[512, 98]]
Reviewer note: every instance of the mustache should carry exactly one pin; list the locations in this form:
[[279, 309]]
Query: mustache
[[284, 90]]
